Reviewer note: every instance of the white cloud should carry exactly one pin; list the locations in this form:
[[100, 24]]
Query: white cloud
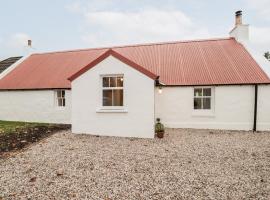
[[105, 28], [18, 40], [14, 45], [75, 7], [259, 37], [108, 27], [259, 44], [262, 7]]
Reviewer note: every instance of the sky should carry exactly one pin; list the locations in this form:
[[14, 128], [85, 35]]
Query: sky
[[76, 24]]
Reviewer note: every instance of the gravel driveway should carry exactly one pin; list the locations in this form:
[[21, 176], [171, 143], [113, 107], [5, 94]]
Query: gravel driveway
[[187, 164]]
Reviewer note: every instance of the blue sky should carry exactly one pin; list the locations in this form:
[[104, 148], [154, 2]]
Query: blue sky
[[72, 24]]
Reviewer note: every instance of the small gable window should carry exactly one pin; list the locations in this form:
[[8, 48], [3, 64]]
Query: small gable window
[[60, 98], [113, 91], [202, 98]]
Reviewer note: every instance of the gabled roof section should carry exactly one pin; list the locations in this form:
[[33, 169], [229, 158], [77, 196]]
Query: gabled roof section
[[120, 57], [184, 63], [4, 64]]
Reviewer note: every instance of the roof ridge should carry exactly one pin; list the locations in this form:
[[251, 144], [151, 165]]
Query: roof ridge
[[137, 45]]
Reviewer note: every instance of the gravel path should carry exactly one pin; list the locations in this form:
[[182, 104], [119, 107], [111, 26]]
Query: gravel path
[[187, 164]]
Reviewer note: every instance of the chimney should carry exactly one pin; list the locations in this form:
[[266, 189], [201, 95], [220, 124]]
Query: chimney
[[29, 43], [240, 31], [28, 49]]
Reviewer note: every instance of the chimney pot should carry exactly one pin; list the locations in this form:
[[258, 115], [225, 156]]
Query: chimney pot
[[238, 17], [239, 12], [29, 43]]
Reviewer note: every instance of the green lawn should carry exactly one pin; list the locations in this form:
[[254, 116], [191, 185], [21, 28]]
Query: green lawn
[[8, 126]]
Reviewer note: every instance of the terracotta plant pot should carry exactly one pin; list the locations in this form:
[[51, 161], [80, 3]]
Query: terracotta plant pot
[[160, 134]]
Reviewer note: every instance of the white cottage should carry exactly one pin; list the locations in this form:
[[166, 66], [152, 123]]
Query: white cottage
[[120, 91]]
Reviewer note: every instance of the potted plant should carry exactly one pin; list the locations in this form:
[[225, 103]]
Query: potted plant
[[159, 129]]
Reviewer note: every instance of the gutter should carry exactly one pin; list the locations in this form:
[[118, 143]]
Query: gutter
[[255, 108], [158, 83], [216, 85]]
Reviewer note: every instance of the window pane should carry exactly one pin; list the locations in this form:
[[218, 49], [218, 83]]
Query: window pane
[[58, 93], [207, 92], [112, 81], [198, 92], [207, 103], [107, 97], [63, 93], [105, 81], [59, 102], [120, 81], [197, 103], [64, 102], [118, 97]]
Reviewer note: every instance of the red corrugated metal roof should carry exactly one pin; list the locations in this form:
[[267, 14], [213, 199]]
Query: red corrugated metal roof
[[120, 57], [199, 62]]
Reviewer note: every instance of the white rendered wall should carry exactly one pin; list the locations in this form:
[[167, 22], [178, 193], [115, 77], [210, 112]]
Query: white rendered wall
[[241, 33], [137, 121], [34, 106], [263, 117], [233, 108]]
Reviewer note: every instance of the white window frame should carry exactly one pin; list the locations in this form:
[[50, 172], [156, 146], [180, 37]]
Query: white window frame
[[63, 98], [111, 108], [204, 112]]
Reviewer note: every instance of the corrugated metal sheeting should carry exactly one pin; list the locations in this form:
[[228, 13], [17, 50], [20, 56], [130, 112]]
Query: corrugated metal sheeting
[[4, 64], [201, 62]]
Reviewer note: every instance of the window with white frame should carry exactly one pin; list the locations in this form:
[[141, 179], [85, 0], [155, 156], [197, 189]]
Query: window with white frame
[[60, 98], [202, 98], [112, 91]]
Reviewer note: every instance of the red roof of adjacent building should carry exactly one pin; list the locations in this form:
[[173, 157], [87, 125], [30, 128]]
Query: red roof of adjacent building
[[197, 62]]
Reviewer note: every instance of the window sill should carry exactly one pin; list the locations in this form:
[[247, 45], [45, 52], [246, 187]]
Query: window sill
[[203, 113], [60, 107], [112, 110]]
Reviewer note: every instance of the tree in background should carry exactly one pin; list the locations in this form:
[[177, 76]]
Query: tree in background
[[267, 55]]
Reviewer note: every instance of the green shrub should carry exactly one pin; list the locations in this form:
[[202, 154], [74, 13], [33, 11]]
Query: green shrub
[[159, 127]]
